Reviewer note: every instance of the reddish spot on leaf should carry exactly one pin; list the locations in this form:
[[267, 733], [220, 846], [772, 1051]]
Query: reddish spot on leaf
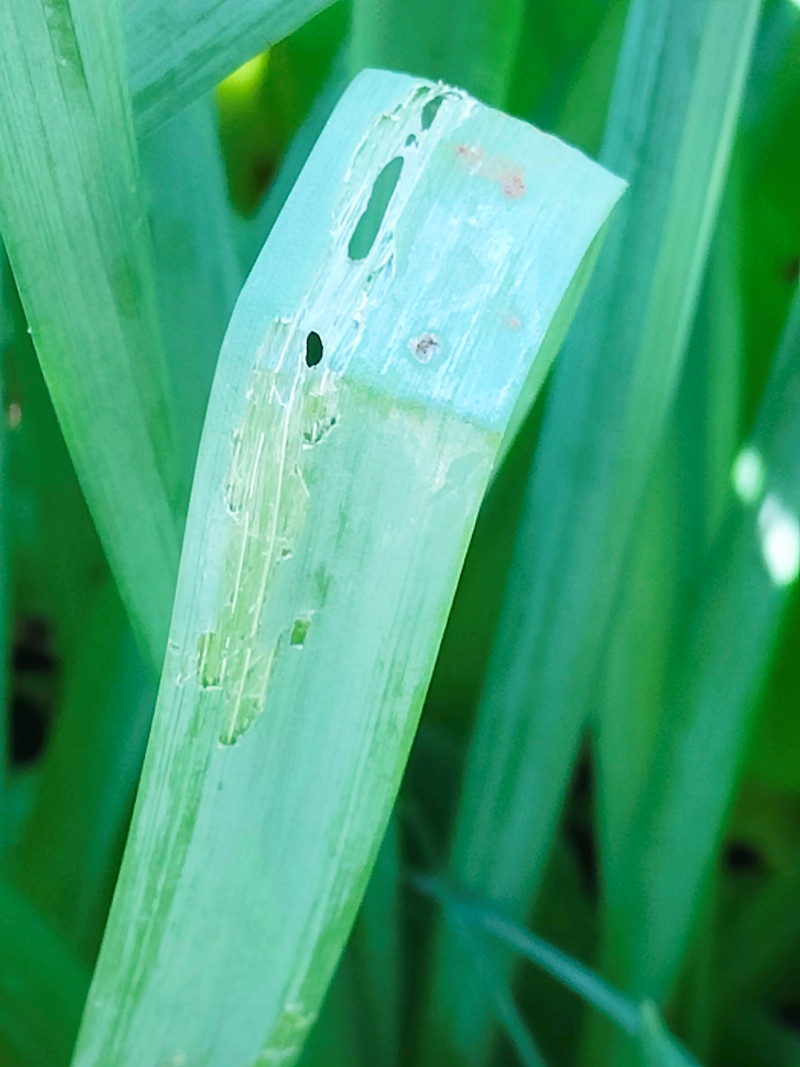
[[508, 175], [512, 182]]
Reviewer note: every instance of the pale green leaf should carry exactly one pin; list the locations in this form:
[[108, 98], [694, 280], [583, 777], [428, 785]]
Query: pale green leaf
[[372, 364]]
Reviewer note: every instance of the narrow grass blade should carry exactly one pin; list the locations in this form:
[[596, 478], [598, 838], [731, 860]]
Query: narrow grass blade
[[679, 516], [42, 986], [176, 52], [73, 836], [669, 131], [75, 228], [195, 259], [57, 555], [640, 1021], [372, 364], [712, 691], [6, 339], [475, 50]]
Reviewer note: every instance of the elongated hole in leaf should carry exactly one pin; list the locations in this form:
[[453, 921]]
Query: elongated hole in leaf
[[430, 111], [369, 224], [313, 349]]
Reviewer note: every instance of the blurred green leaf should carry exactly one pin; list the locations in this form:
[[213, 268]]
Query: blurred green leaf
[[177, 51], [669, 131], [75, 229], [711, 693]]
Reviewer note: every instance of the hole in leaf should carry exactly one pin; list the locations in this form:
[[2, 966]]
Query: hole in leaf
[[300, 629], [369, 224], [430, 111], [313, 349]]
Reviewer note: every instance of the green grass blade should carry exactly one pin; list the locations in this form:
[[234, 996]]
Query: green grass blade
[[176, 52], [75, 229], [712, 691], [377, 949], [42, 986], [475, 50], [57, 555], [73, 836], [6, 340], [195, 259], [676, 523], [639, 1021], [669, 131], [361, 396]]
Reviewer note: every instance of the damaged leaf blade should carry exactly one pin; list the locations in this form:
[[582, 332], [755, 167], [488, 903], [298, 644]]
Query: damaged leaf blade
[[362, 393]]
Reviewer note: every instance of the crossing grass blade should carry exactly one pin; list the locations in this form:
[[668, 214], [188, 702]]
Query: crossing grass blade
[[177, 52], [373, 362], [640, 1021], [75, 228], [670, 127]]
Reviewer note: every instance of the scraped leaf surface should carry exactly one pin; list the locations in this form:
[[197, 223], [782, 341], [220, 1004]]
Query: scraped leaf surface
[[372, 365]]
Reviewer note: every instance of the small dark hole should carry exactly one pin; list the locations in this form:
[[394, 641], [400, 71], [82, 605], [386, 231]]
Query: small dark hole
[[28, 731], [313, 349]]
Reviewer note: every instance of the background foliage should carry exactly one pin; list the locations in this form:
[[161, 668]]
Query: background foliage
[[609, 753]]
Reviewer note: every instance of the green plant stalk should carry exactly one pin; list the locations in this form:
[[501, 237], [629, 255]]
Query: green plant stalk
[[75, 229], [475, 50], [372, 365], [177, 52], [670, 128]]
